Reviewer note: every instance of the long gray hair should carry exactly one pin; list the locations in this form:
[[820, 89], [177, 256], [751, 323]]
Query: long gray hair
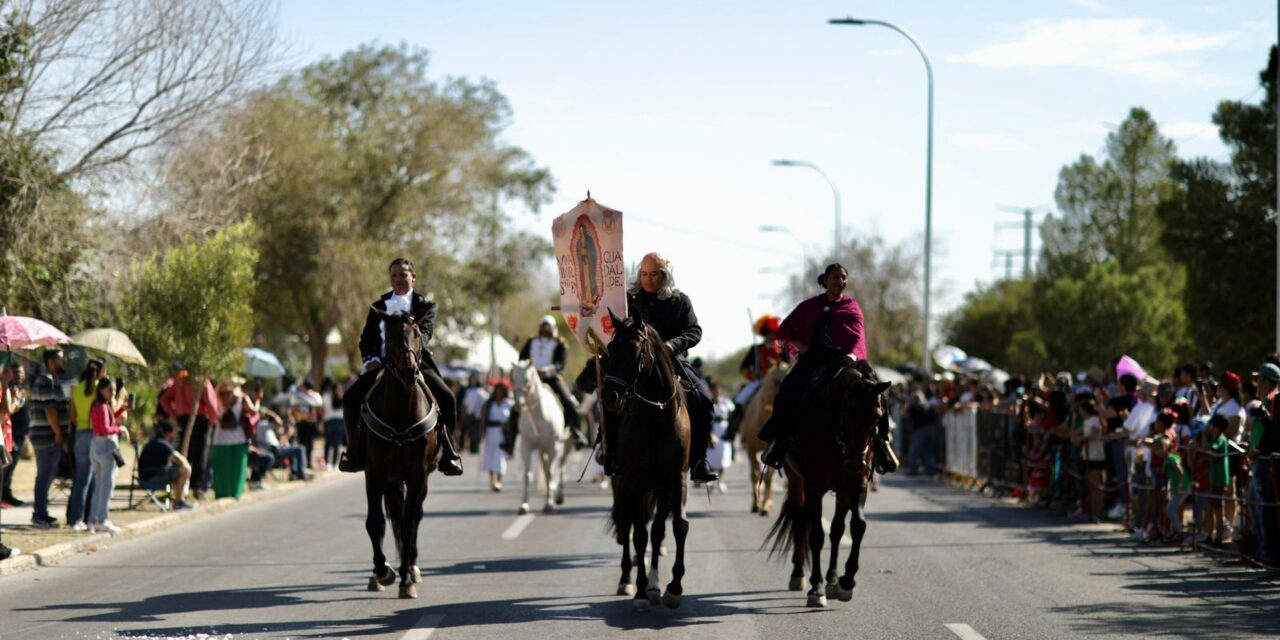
[[668, 282]]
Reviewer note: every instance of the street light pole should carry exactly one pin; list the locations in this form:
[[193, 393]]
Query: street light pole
[[835, 194], [928, 179], [804, 255]]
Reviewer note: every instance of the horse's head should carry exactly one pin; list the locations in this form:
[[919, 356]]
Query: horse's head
[[522, 373], [627, 358], [404, 343], [858, 408]]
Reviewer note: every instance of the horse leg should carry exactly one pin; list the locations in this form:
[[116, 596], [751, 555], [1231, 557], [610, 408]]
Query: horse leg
[[755, 465], [376, 525], [659, 533], [813, 515], [857, 529], [640, 538], [546, 459], [794, 504], [411, 518], [625, 587], [836, 535], [767, 504], [558, 464], [526, 452], [680, 527]]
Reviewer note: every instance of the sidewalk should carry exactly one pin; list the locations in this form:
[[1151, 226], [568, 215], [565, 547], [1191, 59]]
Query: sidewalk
[[41, 547]]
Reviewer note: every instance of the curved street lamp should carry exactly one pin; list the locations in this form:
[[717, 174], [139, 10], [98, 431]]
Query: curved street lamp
[[835, 194], [928, 179]]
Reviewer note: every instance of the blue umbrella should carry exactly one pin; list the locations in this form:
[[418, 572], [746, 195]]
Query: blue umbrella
[[262, 364]]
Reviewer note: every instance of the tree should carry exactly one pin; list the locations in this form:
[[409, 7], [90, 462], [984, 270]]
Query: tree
[[886, 282], [1108, 208], [193, 303], [988, 321], [359, 159], [1219, 222]]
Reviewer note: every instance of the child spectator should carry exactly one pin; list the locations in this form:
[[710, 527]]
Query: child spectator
[[160, 462], [104, 415], [1094, 455], [1179, 482], [1219, 479]]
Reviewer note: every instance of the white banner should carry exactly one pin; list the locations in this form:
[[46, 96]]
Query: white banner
[[592, 276]]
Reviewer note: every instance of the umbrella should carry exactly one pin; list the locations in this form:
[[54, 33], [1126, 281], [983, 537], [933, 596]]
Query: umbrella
[[21, 332], [261, 364], [973, 365], [947, 356], [296, 399], [885, 374], [112, 342], [1129, 366]]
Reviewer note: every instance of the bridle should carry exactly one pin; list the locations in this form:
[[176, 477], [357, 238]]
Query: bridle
[[631, 390], [404, 364], [404, 368]]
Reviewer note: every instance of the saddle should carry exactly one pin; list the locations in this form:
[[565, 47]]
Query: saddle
[[378, 427]]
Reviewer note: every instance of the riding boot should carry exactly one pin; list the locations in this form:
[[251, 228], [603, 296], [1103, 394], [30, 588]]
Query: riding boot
[[699, 468], [450, 461], [574, 422], [352, 459], [882, 449]]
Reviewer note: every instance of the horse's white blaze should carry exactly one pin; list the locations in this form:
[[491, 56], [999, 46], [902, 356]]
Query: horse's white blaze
[[517, 527], [424, 627], [964, 631]]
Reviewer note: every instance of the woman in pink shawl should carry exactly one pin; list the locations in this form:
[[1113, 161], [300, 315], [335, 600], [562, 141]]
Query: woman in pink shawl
[[826, 329]]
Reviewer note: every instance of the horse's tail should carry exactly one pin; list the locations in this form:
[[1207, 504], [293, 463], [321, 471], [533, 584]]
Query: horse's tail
[[620, 517], [790, 526]]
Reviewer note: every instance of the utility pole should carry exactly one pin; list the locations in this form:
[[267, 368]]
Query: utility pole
[[1027, 225]]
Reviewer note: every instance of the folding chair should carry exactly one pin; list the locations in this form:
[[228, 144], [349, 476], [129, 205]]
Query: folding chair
[[149, 488]]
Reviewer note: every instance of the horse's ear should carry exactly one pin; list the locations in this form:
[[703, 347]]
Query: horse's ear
[[881, 387], [378, 311], [619, 322]]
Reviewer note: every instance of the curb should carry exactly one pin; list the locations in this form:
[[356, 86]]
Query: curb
[[30, 560]]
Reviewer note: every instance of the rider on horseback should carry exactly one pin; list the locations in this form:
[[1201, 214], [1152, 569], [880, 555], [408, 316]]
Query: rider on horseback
[[759, 359], [828, 331], [547, 353], [654, 299], [401, 298]]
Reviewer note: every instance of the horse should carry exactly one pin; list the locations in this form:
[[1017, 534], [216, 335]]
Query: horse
[[757, 412], [541, 427], [642, 391], [832, 451], [401, 450]]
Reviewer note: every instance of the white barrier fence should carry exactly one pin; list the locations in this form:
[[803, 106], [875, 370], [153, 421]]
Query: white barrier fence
[[961, 432]]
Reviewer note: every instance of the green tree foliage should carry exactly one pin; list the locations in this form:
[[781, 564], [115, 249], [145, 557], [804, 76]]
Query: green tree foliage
[[1219, 221], [357, 160], [990, 317], [1108, 207], [192, 303], [886, 282]]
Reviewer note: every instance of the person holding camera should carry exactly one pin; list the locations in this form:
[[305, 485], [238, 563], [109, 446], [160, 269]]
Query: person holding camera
[[108, 409]]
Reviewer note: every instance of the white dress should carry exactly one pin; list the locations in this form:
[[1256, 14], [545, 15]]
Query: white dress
[[492, 458], [721, 455]]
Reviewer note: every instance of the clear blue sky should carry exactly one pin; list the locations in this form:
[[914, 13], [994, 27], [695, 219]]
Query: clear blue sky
[[672, 111]]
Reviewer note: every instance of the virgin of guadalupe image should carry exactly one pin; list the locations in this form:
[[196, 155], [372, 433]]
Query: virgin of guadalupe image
[[586, 253]]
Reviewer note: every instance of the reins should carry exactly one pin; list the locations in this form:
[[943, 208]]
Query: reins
[[631, 390]]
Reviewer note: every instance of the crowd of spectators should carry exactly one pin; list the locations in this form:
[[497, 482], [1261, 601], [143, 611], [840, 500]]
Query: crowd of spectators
[[1193, 460]]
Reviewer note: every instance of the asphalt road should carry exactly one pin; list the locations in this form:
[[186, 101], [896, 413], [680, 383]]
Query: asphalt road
[[937, 563]]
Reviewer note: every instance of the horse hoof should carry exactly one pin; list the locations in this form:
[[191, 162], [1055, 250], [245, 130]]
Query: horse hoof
[[662, 551], [387, 578], [374, 585], [817, 600], [796, 584], [417, 575], [524, 509], [560, 500], [626, 589], [671, 600], [654, 596], [547, 508], [755, 508], [408, 592], [842, 595], [764, 513], [640, 605]]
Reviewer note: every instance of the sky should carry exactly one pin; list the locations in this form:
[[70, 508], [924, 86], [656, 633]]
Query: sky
[[672, 111]]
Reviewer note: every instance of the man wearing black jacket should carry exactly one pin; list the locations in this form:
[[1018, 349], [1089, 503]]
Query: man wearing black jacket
[[402, 297], [655, 300]]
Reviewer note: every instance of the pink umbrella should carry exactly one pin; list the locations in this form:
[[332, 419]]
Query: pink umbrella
[[21, 332], [1128, 365]]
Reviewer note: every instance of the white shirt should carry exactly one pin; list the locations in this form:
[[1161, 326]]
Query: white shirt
[[1093, 449], [1228, 408], [542, 352], [330, 413], [395, 303], [499, 412], [473, 401]]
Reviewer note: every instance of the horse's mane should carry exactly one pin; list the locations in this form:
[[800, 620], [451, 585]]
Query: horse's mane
[[662, 358]]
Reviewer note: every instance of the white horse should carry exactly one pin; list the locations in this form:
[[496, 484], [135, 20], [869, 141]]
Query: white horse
[[541, 427]]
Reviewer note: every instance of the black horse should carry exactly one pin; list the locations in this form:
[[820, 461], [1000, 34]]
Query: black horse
[[642, 390], [833, 445], [400, 416]]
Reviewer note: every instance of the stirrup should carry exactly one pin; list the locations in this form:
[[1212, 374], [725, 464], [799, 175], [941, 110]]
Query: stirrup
[[451, 466], [775, 454], [701, 472], [347, 464]]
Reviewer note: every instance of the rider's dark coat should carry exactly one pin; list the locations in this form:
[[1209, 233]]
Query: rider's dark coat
[[673, 318], [424, 315]]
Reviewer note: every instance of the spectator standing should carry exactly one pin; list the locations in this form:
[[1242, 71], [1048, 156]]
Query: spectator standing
[[159, 461], [16, 424], [230, 444], [1264, 443], [923, 413], [721, 455], [1219, 480], [496, 412], [472, 402], [306, 420], [178, 402], [104, 416], [79, 405], [1185, 378], [331, 412], [1094, 455], [48, 419], [1179, 482]]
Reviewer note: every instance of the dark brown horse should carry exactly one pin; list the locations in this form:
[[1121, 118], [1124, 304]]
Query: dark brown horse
[[400, 416], [642, 390], [836, 424]]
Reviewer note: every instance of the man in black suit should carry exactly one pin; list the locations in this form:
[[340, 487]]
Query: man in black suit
[[402, 297]]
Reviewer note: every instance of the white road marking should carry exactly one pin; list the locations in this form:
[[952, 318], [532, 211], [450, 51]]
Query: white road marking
[[964, 631], [422, 630], [517, 527]]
